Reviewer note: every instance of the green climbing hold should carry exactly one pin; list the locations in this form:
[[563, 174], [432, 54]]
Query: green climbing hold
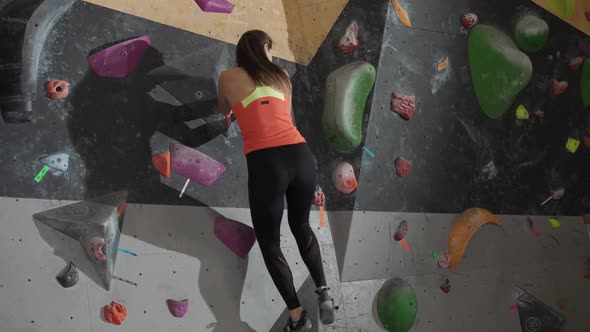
[[531, 33], [396, 305], [347, 91], [585, 83], [499, 70], [562, 8]]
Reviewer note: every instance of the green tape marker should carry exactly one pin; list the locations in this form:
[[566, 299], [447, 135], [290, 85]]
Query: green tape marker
[[41, 174]]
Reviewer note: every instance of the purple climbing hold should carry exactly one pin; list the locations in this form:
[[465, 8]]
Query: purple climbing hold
[[119, 60], [177, 308], [195, 165], [215, 6], [238, 237]]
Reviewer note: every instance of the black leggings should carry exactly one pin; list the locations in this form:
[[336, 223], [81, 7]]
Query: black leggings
[[286, 171]]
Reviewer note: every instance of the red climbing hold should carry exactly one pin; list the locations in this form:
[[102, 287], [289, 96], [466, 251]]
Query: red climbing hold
[[586, 142], [114, 313], [403, 105], [238, 237], [446, 286], [443, 260], [468, 20], [161, 162], [402, 230], [349, 42], [402, 167], [539, 114], [575, 63], [559, 87], [58, 89]]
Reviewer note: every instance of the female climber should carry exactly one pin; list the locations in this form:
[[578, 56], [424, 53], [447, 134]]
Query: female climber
[[280, 164]]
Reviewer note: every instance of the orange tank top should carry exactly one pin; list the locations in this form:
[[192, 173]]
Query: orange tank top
[[264, 118]]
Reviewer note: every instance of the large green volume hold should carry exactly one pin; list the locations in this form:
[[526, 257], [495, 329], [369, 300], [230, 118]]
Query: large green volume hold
[[499, 70], [585, 83], [396, 305], [347, 90]]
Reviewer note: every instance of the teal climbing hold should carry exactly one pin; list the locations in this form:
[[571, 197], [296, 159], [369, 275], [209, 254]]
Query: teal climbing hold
[[499, 70], [347, 91], [531, 33], [585, 83], [396, 305]]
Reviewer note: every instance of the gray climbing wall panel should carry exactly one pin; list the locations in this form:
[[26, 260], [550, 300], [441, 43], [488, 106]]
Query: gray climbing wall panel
[[179, 257]]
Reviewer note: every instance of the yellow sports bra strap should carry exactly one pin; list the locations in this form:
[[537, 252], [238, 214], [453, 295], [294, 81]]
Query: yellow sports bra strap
[[261, 92]]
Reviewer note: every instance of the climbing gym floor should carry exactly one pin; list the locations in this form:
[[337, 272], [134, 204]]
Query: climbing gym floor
[[179, 257]]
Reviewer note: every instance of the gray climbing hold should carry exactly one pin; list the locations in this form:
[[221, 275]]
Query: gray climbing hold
[[57, 162], [68, 277], [92, 222]]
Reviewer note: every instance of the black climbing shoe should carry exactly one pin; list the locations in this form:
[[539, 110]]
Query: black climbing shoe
[[326, 305], [303, 325]]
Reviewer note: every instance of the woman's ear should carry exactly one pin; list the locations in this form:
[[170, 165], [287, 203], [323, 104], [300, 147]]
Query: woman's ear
[[268, 51]]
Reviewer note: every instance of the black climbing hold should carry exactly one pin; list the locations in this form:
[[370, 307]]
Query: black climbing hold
[[68, 277]]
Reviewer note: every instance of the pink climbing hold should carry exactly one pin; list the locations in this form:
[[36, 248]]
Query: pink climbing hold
[[119, 60], [177, 308], [350, 42], [319, 198], [402, 167], [215, 6], [93, 246], [344, 179], [195, 165], [238, 237]]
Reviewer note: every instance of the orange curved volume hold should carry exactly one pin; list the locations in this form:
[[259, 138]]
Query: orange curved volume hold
[[114, 313], [401, 13], [462, 230], [161, 162]]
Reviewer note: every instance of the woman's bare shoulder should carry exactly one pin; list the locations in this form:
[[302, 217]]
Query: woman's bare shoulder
[[234, 72]]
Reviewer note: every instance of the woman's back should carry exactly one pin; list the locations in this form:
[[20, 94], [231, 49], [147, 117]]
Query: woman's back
[[263, 112]]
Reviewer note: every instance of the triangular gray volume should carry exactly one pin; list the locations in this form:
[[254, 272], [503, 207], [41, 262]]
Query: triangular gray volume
[[96, 224], [536, 316]]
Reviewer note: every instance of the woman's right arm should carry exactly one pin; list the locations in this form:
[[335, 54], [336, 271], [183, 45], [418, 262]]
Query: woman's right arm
[[223, 105]]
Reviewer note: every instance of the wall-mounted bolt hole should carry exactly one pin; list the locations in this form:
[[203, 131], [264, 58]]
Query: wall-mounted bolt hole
[[71, 317], [29, 280], [20, 240], [169, 234], [33, 322], [140, 273]]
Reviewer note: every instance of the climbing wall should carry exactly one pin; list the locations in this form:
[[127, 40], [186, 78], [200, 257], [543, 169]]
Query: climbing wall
[[451, 138]]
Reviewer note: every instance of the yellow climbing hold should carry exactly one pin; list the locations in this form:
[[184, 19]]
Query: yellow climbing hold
[[572, 145], [555, 224], [522, 113], [401, 13]]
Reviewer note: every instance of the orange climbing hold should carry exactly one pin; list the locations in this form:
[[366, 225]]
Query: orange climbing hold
[[161, 163], [401, 13], [114, 313], [442, 64], [463, 229]]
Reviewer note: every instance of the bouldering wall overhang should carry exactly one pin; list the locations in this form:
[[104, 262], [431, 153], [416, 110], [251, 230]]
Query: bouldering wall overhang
[[303, 23]]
